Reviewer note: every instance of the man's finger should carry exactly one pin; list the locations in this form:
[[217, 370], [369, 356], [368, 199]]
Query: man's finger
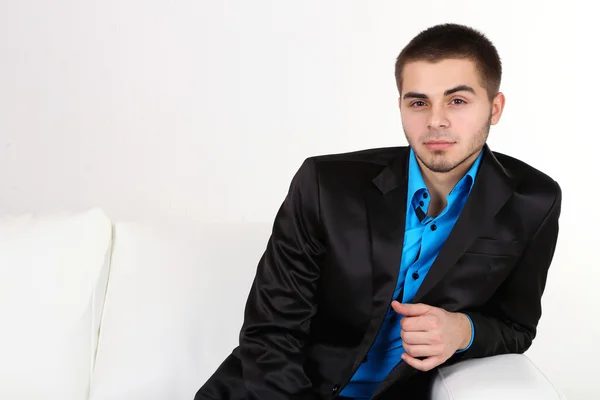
[[421, 350], [418, 337], [422, 365], [410, 310], [415, 324]]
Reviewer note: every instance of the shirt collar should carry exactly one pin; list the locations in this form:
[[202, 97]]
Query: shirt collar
[[416, 182]]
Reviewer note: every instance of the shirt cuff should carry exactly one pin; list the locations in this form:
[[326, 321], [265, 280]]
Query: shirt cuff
[[472, 336]]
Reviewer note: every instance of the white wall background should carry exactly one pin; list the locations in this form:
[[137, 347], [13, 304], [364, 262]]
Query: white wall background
[[203, 110]]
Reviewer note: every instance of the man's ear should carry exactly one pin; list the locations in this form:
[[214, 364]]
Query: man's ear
[[497, 107]]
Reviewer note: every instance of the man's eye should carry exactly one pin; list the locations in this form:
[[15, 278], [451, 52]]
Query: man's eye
[[460, 101], [417, 104]]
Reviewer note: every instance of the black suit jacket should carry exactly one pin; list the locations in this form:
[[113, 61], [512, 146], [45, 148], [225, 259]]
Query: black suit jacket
[[326, 279]]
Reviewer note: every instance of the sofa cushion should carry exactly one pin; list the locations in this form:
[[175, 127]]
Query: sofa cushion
[[53, 275], [174, 307]]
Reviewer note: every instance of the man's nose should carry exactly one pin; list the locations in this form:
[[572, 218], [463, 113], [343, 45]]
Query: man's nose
[[437, 118]]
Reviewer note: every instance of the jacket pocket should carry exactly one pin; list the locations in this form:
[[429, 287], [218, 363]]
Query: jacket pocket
[[493, 247]]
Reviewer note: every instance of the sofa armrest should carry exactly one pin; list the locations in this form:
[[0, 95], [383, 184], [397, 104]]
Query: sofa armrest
[[509, 376]]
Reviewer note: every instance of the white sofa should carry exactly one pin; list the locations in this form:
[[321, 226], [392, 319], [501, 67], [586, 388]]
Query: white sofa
[[91, 309]]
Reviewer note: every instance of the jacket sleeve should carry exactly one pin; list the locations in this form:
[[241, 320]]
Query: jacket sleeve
[[281, 302], [508, 322]]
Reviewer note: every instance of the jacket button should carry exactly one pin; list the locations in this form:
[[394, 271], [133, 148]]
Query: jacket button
[[366, 358], [335, 389]]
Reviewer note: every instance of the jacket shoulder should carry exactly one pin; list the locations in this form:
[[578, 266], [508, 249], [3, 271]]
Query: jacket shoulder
[[354, 168], [379, 156], [531, 180]]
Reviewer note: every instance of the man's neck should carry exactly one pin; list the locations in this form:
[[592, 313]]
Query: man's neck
[[440, 184]]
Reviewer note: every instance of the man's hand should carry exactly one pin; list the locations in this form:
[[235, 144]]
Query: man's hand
[[431, 332]]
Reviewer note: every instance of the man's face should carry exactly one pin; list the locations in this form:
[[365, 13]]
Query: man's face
[[446, 113]]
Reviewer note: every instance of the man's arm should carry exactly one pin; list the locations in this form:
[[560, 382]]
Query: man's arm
[[281, 302], [509, 322]]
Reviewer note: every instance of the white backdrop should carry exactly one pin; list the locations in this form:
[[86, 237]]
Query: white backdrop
[[202, 111]]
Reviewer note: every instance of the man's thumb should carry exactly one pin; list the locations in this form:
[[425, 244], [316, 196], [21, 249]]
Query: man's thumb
[[410, 310]]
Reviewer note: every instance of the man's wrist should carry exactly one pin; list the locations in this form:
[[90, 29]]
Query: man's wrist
[[466, 330]]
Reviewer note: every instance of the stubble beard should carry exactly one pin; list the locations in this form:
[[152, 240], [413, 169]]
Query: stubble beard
[[441, 164]]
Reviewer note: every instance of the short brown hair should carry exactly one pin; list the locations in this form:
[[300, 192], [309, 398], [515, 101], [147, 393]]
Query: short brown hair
[[447, 41]]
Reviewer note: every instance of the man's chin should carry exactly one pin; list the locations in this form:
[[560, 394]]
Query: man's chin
[[437, 161], [441, 168]]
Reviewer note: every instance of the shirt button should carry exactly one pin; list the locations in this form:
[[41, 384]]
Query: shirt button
[[415, 276], [425, 195], [421, 203], [433, 227], [335, 389]]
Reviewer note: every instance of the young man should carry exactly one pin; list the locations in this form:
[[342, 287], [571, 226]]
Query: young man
[[384, 264]]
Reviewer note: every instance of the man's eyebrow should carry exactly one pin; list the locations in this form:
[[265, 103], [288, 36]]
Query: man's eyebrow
[[459, 88], [414, 95]]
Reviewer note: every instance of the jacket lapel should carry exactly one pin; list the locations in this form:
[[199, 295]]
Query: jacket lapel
[[492, 188], [386, 211]]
